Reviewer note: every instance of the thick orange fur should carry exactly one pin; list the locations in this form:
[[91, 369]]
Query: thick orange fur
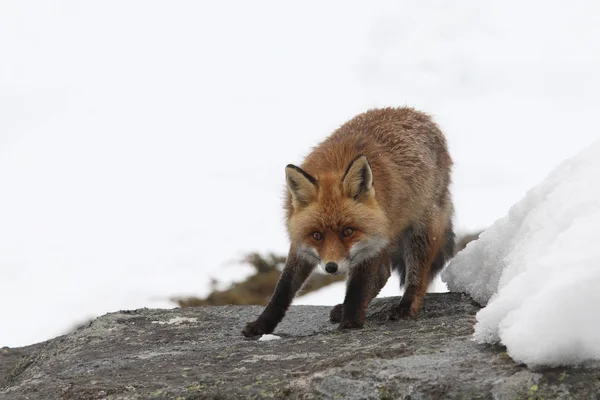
[[409, 159], [385, 174]]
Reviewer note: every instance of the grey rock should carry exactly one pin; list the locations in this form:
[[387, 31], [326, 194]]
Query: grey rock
[[201, 354]]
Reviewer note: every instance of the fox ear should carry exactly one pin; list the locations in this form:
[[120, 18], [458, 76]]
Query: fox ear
[[301, 185], [358, 180]]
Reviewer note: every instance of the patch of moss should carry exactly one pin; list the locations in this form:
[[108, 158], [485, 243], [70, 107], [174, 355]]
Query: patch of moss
[[386, 394], [195, 388]]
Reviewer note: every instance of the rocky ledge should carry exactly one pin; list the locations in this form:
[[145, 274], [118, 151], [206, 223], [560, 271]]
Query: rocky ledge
[[200, 354]]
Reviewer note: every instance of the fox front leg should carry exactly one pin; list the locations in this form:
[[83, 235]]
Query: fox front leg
[[292, 277], [384, 273], [364, 283]]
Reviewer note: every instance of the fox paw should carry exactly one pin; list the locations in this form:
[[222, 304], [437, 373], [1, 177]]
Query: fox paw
[[335, 315], [350, 325], [401, 312], [253, 329]]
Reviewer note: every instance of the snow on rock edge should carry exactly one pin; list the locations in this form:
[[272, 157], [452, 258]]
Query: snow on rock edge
[[537, 270]]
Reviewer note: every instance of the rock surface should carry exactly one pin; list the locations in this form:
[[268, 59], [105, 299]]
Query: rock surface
[[200, 354]]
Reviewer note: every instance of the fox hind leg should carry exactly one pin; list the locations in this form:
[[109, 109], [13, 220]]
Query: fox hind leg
[[425, 253], [335, 315], [446, 251]]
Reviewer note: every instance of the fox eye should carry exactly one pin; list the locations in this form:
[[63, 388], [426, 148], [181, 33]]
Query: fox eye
[[348, 231], [317, 236]]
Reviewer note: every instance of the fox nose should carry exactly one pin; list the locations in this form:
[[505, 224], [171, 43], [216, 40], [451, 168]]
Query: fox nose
[[331, 267]]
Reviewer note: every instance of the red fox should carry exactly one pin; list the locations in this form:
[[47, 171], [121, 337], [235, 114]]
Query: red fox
[[372, 197]]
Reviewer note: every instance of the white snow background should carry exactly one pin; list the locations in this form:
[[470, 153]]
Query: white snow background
[[537, 270], [143, 143]]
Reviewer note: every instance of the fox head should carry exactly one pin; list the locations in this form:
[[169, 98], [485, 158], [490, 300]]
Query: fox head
[[335, 220]]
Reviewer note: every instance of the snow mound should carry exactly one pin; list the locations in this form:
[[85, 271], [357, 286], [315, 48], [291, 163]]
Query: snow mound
[[537, 270]]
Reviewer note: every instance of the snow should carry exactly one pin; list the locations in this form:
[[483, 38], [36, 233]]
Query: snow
[[268, 337], [176, 321], [537, 270], [334, 294], [143, 143]]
